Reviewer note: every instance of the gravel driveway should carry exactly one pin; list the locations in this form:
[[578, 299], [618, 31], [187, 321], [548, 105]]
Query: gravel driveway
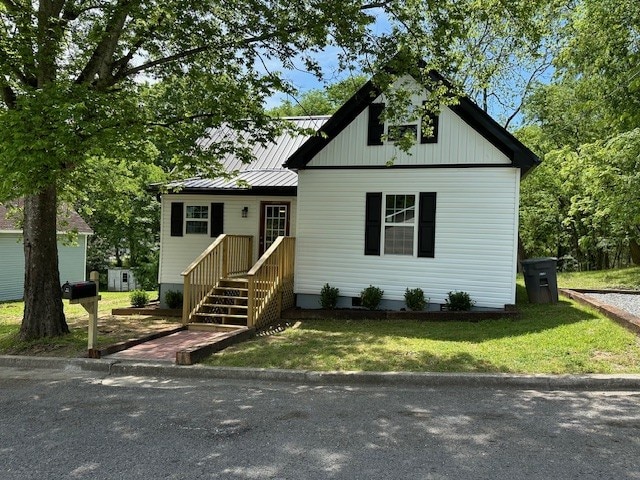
[[623, 301]]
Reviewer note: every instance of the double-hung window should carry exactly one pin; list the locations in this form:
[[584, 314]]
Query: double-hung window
[[197, 219], [399, 224]]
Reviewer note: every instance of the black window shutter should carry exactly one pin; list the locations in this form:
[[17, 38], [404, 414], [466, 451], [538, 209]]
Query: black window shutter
[[373, 223], [217, 219], [435, 119], [427, 224], [376, 126], [177, 219]]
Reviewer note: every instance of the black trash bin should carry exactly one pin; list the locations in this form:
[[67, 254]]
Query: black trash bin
[[540, 279]]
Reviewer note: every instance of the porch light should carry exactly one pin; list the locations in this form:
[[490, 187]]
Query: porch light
[[245, 212]]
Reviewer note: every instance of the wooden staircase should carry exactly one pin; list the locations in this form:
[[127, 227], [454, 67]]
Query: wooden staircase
[[222, 290], [227, 303]]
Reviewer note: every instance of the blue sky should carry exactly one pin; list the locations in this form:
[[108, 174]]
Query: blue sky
[[304, 81]]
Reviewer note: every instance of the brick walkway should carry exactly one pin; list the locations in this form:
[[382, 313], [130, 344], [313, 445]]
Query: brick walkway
[[165, 348]]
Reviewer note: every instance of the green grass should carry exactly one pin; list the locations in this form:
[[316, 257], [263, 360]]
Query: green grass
[[619, 278], [110, 329], [561, 338]]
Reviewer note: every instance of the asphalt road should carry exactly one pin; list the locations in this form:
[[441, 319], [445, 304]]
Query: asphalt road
[[57, 424]]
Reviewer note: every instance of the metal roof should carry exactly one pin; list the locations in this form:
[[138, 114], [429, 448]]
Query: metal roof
[[267, 170], [280, 178], [267, 157]]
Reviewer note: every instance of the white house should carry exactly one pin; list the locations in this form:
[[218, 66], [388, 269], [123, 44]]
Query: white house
[[442, 218], [72, 257]]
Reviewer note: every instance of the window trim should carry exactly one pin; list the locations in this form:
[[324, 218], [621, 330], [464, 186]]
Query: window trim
[[384, 225], [205, 220]]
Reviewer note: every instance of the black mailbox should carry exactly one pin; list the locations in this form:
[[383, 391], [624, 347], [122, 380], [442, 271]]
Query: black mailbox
[[75, 290]]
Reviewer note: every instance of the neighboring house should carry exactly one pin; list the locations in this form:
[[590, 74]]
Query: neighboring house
[[72, 258], [121, 280], [442, 218]]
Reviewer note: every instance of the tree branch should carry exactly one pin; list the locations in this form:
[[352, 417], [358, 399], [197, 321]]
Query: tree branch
[[99, 63], [120, 64], [9, 97], [541, 68], [123, 73]]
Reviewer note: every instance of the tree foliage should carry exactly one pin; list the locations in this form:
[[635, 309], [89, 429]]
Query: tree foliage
[[318, 101], [583, 202]]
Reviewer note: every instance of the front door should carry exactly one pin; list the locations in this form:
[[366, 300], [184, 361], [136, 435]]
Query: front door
[[274, 222]]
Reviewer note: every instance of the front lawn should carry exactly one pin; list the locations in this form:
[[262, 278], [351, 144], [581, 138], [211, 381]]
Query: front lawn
[[111, 329], [562, 338]]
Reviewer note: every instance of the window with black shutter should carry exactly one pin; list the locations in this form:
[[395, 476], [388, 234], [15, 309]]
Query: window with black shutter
[[373, 224], [427, 224], [217, 219], [391, 222], [432, 120], [177, 215], [376, 125]]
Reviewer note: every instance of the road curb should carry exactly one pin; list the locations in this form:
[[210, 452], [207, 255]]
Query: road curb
[[407, 379]]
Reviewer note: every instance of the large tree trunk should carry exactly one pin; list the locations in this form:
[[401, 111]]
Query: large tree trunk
[[635, 251], [43, 310]]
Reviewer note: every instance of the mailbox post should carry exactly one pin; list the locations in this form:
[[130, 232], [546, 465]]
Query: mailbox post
[[86, 294]]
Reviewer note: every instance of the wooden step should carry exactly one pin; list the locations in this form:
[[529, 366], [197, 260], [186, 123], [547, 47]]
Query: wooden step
[[235, 289], [227, 297], [224, 305], [219, 315], [233, 281], [219, 327]]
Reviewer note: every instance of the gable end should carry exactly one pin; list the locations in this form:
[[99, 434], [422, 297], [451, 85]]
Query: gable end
[[519, 155]]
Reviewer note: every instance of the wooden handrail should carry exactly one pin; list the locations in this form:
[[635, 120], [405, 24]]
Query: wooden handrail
[[206, 252], [265, 256], [227, 255], [270, 283]]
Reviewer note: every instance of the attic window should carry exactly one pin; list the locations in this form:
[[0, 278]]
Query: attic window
[[396, 132]]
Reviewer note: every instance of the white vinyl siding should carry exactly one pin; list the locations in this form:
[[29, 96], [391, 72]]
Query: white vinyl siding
[[475, 242], [458, 143], [177, 253], [71, 263]]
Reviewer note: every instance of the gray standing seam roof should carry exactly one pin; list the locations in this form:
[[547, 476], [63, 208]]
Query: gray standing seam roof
[[271, 156], [266, 171]]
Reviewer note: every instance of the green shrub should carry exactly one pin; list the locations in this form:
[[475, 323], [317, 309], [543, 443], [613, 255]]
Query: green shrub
[[415, 300], [139, 298], [459, 302], [371, 296], [329, 296], [173, 299]]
